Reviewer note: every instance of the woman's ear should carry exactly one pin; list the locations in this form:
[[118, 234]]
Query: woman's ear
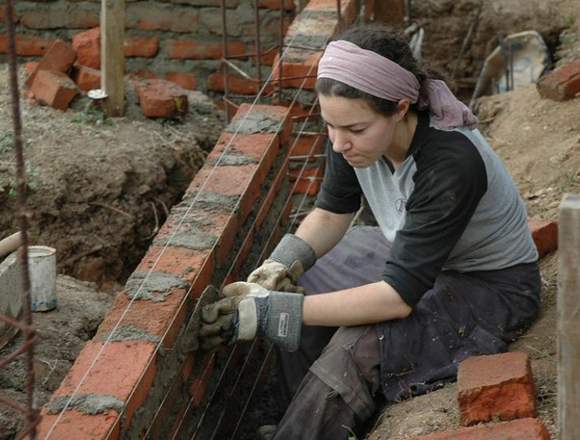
[[402, 109]]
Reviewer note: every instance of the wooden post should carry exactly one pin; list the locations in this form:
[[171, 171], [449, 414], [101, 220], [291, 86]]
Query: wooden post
[[569, 318], [112, 55]]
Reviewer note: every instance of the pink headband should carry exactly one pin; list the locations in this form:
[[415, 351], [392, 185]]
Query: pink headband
[[378, 76]]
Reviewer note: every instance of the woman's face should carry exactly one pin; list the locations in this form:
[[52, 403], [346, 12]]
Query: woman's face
[[356, 131]]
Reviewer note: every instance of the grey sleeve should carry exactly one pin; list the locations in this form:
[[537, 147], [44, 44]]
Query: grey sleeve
[[340, 191], [449, 184]]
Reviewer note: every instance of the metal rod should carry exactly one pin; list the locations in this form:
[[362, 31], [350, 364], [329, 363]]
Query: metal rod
[[281, 61], [258, 43], [225, 67], [339, 14], [237, 69], [31, 413]]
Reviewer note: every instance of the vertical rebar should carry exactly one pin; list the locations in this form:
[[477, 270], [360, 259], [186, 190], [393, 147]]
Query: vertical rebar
[[22, 217], [339, 14], [280, 60], [408, 15], [258, 46], [225, 68]]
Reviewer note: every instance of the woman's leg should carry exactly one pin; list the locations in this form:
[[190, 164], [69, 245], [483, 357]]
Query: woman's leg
[[338, 392], [358, 259]]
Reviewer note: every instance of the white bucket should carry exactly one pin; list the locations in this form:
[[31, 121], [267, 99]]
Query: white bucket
[[42, 264]]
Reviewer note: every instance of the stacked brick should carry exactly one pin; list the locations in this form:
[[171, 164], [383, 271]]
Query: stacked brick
[[141, 374], [182, 37]]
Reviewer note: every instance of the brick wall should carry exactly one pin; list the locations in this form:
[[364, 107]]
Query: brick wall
[[163, 38], [142, 376]]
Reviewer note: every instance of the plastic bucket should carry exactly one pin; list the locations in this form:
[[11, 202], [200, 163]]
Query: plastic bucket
[[42, 265]]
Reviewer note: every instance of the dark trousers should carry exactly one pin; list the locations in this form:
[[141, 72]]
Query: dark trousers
[[336, 375]]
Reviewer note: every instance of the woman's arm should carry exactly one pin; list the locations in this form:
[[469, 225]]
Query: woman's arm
[[322, 229], [368, 304]]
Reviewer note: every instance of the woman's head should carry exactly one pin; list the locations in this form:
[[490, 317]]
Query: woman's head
[[389, 45]]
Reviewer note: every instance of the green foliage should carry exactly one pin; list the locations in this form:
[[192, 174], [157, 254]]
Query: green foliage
[[8, 184], [6, 141], [569, 21], [90, 115]]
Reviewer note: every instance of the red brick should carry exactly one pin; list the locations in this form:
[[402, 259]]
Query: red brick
[[261, 146], [307, 181], [495, 386], [222, 225], [161, 99], [122, 370], [231, 181], [146, 47], [59, 57], [275, 112], [74, 424], [545, 235], [160, 319], [522, 429], [27, 45], [348, 9], [182, 262], [143, 74], [30, 67], [275, 4], [200, 384], [303, 73], [236, 84], [54, 89], [307, 145], [88, 47], [203, 50], [186, 80], [561, 84], [87, 78]]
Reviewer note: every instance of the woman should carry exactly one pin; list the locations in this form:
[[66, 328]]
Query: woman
[[450, 272]]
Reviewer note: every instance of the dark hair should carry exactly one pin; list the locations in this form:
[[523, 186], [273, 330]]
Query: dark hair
[[385, 42]]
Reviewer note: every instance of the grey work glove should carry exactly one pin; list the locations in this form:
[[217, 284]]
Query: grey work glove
[[280, 272], [249, 310]]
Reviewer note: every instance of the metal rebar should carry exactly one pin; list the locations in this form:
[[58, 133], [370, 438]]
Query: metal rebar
[[23, 215], [258, 43], [225, 67], [281, 52]]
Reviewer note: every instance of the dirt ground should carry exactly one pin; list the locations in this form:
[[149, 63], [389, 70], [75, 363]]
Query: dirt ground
[[100, 188]]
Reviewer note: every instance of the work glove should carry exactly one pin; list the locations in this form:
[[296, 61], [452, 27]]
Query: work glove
[[249, 310], [290, 259]]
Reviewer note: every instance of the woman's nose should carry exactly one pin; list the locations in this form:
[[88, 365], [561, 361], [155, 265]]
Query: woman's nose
[[340, 142]]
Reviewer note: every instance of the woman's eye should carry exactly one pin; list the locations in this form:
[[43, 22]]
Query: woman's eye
[[357, 131]]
